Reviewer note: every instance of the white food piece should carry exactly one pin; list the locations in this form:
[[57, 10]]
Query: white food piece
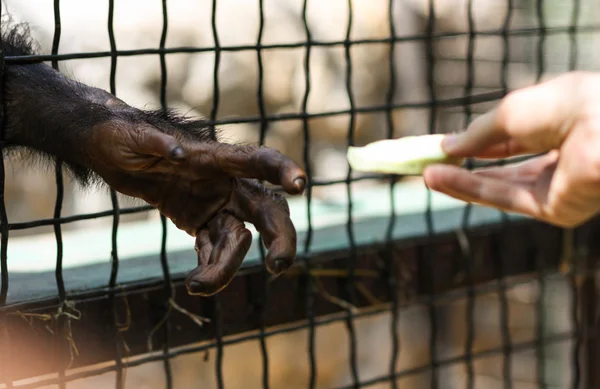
[[409, 155]]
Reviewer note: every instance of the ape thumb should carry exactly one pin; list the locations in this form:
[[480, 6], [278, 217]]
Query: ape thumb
[[159, 144]]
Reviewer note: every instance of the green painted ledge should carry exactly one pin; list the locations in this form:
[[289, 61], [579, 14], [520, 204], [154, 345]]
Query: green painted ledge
[[86, 255]]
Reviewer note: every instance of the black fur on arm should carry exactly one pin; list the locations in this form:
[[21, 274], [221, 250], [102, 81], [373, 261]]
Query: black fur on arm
[[49, 115], [171, 162]]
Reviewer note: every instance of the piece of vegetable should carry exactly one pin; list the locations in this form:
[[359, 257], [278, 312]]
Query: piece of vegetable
[[408, 155]]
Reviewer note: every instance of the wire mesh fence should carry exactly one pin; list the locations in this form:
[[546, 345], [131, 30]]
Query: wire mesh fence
[[394, 286]]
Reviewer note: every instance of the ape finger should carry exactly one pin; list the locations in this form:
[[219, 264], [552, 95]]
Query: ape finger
[[154, 142], [261, 163], [221, 248], [270, 215], [279, 237]]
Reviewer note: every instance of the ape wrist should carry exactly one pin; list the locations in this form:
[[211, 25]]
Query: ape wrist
[[52, 114]]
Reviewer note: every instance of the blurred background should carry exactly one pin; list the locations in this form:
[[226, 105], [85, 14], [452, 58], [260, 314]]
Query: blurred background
[[375, 81]]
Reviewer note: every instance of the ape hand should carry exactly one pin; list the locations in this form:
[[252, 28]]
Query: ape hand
[[173, 163], [205, 188]]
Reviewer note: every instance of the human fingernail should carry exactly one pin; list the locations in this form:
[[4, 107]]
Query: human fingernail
[[450, 142]]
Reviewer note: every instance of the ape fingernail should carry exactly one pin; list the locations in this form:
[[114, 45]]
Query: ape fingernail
[[196, 288], [300, 184], [178, 153], [281, 265]]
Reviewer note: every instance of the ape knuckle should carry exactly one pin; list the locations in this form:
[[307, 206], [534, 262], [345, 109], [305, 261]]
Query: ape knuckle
[[126, 135], [269, 201], [211, 156], [216, 148], [265, 150], [261, 153], [243, 233], [281, 202], [226, 233], [251, 187], [112, 101]]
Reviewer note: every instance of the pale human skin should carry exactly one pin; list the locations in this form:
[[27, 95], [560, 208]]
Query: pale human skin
[[560, 118]]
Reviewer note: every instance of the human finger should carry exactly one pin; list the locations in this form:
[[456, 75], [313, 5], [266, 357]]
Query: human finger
[[482, 134], [221, 248], [470, 187], [260, 163], [270, 215], [537, 117], [525, 171], [505, 149]]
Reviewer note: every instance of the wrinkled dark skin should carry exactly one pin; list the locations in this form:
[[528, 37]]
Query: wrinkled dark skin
[[207, 188]]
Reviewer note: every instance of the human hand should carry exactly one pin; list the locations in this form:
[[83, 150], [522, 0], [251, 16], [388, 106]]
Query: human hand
[[205, 188], [561, 118]]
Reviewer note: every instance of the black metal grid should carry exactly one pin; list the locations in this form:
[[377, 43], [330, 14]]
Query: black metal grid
[[512, 248]]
